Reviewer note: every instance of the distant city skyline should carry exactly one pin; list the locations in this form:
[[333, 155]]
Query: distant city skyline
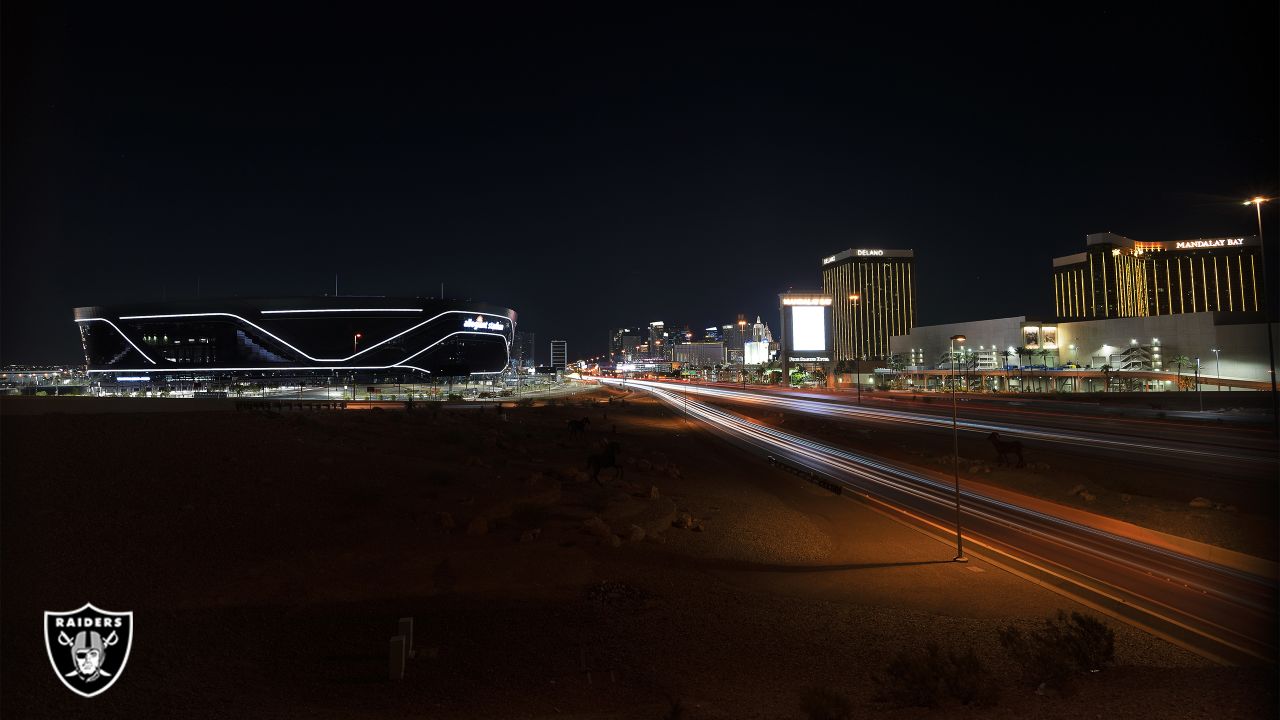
[[584, 172]]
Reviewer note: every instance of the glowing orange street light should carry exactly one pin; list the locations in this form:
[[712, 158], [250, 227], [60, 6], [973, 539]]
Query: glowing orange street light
[[355, 342], [857, 369]]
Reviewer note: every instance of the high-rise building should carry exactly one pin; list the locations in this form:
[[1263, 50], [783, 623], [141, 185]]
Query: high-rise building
[[559, 354], [624, 343], [734, 339], [522, 350], [873, 294], [760, 331], [1119, 277], [659, 341], [699, 354]]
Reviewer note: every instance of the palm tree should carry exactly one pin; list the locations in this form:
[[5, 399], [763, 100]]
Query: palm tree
[[1181, 361], [1106, 375], [1043, 354]]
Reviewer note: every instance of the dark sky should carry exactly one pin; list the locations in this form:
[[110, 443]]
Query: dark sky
[[592, 170]]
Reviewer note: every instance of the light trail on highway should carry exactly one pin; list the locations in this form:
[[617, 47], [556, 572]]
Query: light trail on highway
[[1217, 611], [1091, 440]]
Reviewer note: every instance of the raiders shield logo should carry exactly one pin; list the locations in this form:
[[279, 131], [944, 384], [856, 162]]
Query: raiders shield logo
[[88, 647]]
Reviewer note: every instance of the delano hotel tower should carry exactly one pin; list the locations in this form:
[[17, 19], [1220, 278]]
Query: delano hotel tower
[[885, 284], [1119, 277]]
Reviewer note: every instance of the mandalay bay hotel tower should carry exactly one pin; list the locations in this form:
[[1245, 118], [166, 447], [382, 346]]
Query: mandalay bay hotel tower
[[1116, 277]]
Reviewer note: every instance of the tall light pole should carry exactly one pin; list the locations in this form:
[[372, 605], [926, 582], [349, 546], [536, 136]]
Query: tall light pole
[[1217, 366], [742, 335], [1266, 313], [853, 322], [955, 448], [355, 343]]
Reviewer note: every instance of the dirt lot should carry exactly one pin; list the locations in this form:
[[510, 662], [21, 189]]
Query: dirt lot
[[267, 558], [1241, 518]]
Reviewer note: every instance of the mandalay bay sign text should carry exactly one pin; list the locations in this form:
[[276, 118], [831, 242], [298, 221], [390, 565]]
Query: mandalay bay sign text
[[1215, 243]]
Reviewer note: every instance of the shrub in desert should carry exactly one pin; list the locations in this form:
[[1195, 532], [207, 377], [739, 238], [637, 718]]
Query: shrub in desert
[[824, 703], [925, 679], [1063, 646]]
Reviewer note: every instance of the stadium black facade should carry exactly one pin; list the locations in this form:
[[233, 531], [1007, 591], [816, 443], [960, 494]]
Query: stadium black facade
[[298, 336]]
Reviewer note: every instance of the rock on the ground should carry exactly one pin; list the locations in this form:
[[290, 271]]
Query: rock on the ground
[[1077, 490], [445, 520], [615, 541], [1201, 503], [530, 535], [597, 527], [1088, 496], [478, 526], [635, 534], [684, 521], [653, 492]]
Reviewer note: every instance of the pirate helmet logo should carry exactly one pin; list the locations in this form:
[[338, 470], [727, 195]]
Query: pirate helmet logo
[[89, 647]]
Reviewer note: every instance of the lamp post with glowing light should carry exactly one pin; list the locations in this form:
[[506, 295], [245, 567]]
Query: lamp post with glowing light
[[955, 448], [355, 343], [1199, 387], [1217, 366], [853, 321], [742, 336], [1266, 313]]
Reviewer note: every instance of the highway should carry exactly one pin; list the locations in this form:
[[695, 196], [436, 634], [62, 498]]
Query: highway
[[1219, 612], [1248, 453]]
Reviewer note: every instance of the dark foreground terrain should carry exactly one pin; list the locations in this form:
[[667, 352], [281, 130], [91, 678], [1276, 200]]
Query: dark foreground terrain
[[267, 558]]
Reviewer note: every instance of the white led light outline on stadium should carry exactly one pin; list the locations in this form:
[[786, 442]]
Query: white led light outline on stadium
[[299, 350], [126, 337], [277, 368], [278, 312]]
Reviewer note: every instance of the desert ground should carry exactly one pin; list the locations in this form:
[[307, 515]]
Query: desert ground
[[268, 556]]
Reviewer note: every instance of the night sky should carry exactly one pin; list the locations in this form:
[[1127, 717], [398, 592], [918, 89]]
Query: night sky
[[592, 170]]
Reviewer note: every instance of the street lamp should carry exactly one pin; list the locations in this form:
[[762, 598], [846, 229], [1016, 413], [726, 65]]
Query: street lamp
[[1217, 366], [742, 335], [355, 342], [1266, 312], [955, 448], [854, 298]]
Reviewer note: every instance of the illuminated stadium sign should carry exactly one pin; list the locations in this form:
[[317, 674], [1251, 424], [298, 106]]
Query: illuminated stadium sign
[[479, 323]]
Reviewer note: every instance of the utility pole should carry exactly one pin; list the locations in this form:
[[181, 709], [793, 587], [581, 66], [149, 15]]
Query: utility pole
[[955, 449]]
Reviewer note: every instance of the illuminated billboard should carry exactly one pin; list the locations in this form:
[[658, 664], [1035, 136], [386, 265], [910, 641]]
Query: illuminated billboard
[[808, 328], [807, 333]]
